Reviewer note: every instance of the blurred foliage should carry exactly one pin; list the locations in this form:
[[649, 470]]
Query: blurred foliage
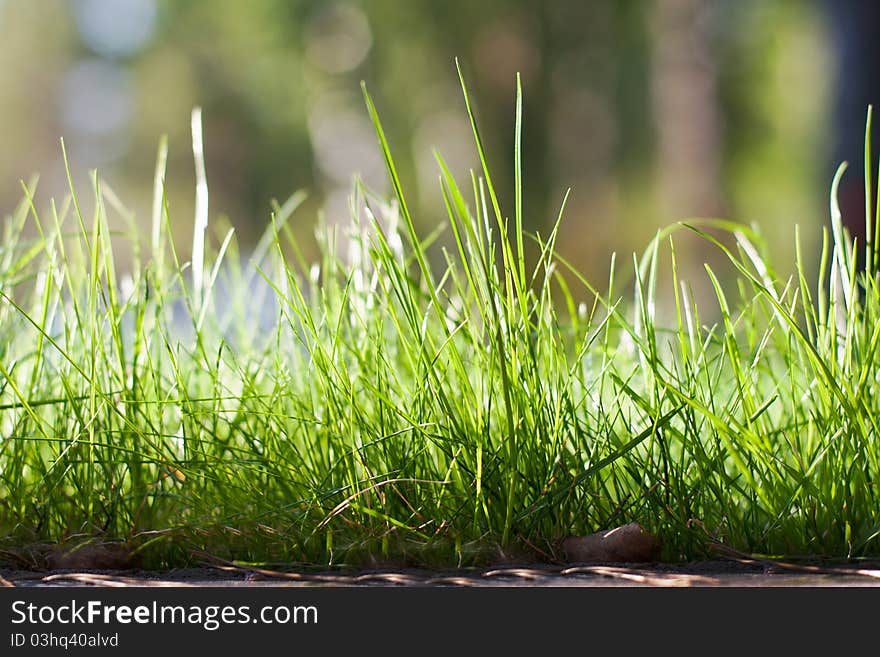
[[650, 111]]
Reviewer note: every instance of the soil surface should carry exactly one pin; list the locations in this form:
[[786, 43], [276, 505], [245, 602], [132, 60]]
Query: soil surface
[[696, 574]]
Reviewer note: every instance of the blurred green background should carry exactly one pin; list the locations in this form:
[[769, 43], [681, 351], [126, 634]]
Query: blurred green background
[[651, 111]]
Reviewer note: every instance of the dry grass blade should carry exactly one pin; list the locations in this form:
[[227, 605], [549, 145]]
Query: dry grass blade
[[645, 577]]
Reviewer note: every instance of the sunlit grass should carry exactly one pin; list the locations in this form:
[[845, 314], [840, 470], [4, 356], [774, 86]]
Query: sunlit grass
[[375, 407]]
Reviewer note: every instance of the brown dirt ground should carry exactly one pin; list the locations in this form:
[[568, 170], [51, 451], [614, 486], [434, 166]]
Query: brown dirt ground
[[721, 573]]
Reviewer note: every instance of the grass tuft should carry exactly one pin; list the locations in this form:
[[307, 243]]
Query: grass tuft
[[375, 407]]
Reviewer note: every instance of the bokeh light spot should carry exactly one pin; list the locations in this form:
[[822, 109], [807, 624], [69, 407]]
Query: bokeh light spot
[[338, 39], [115, 28]]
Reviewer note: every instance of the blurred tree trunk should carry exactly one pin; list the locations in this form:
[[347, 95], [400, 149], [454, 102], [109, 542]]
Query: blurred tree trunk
[[687, 114], [854, 25]]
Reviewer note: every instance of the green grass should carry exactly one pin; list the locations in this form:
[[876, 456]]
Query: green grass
[[376, 407]]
